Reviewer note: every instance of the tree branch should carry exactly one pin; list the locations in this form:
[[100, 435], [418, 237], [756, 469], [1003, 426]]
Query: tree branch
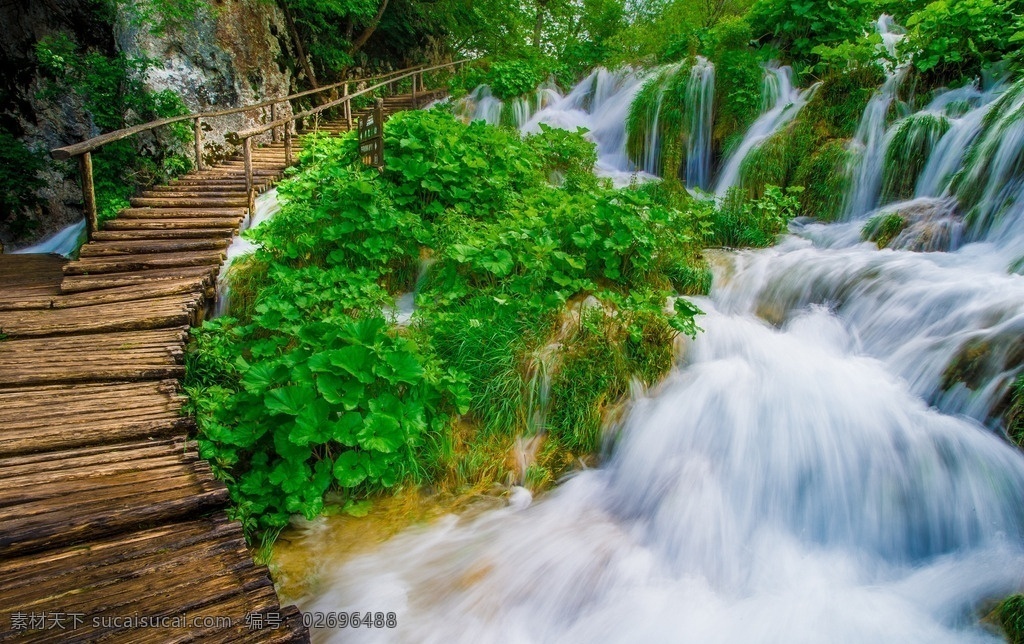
[[363, 37]]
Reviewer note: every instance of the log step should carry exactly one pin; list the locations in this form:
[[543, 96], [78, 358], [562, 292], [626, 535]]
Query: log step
[[143, 261], [189, 202], [148, 246], [80, 283], [157, 313]]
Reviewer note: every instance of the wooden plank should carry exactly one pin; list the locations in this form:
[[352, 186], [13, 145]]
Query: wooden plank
[[149, 246], [79, 283], [171, 223], [177, 233], [143, 261], [157, 313], [178, 213], [186, 202]]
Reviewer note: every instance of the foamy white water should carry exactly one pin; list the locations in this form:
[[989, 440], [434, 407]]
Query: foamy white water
[[64, 242], [600, 103], [783, 102], [825, 464], [267, 206]]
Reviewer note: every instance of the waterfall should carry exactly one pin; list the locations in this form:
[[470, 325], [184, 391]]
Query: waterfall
[[951, 148], [700, 102], [870, 141], [64, 242], [783, 103], [600, 103], [267, 205], [652, 138], [482, 105], [825, 463]]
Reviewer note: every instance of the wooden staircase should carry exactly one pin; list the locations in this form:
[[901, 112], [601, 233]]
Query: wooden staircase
[[106, 509]]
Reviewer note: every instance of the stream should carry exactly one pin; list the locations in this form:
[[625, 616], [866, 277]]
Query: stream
[[826, 461]]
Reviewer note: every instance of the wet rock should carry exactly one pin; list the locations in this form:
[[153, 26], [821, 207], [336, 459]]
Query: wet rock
[[923, 225]]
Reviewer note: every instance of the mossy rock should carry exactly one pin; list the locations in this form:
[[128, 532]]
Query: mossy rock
[[912, 144], [826, 179], [1010, 615], [883, 229]]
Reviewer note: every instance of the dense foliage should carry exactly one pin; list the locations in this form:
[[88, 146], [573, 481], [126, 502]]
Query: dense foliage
[[112, 92], [309, 389]]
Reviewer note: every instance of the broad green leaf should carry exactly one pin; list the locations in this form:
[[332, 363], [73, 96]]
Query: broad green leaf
[[348, 469]]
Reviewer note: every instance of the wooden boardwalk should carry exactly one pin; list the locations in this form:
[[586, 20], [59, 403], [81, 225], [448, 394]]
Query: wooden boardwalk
[[107, 512]]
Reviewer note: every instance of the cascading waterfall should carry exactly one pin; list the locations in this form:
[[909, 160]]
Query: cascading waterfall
[[783, 102], [697, 105], [652, 138], [267, 205], [825, 464], [64, 242], [599, 103], [964, 129], [870, 140], [700, 102], [482, 105]]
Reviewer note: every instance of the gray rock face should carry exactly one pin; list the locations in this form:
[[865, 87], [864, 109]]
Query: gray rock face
[[229, 55]]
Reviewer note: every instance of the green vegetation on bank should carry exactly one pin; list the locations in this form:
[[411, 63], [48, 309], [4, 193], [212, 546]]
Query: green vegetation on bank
[[545, 296]]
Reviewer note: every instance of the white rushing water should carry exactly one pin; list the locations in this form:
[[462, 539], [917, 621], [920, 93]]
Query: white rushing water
[[267, 206], [783, 102], [700, 110], [64, 242], [825, 463], [600, 103], [870, 142]]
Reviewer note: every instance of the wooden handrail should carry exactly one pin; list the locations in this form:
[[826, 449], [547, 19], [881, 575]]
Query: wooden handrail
[[97, 142], [260, 129], [85, 149], [246, 135]]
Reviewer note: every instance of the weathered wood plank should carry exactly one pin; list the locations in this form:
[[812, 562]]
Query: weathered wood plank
[[79, 283], [143, 261]]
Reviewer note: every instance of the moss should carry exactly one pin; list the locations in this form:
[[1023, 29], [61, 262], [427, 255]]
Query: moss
[[593, 376], [739, 77], [882, 229], [776, 162], [825, 179], [1010, 615], [968, 366], [1015, 414], [912, 143], [768, 164], [693, 277], [605, 353], [247, 277], [837, 106]]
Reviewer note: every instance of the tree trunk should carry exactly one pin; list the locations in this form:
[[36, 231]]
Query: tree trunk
[[363, 37], [300, 51]]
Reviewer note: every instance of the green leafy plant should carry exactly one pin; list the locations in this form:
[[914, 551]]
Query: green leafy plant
[[307, 395]]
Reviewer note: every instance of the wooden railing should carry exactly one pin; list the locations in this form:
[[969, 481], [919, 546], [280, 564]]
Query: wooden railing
[[345, 101], [85, 149]]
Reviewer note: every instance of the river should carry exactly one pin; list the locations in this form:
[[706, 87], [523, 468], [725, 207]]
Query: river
[[825, 463]]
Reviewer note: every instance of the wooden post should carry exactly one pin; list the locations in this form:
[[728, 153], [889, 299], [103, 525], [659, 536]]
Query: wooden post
[[288, 143], [348, 108], [247, 151], [273, 117], [197, 134], [88, 194], [414, 92]]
